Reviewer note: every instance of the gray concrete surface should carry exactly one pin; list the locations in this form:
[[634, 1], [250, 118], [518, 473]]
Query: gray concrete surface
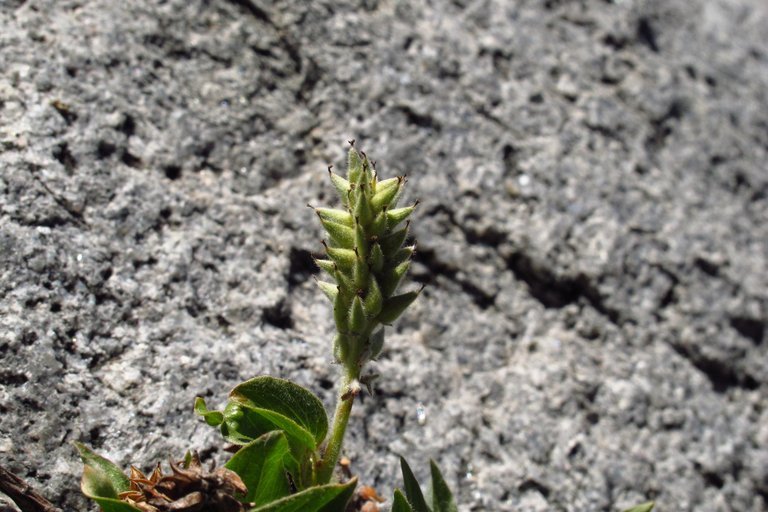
[[592, 232]]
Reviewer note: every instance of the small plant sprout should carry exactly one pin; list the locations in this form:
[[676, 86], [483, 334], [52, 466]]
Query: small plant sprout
[[287, 450]]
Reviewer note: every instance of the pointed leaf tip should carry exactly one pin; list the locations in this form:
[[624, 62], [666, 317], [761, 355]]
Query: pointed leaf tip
[[412, 489], [442, 499], [101, 477], [400, 503]]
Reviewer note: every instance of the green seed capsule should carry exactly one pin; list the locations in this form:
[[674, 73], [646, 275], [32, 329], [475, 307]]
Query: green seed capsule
[[391, 279], [384, 197], [344, 258], [394, 307], [342, 187], [357, 319], [361, 241], [334, 215], [363, 211], [341, 313], [379, 224], [390, 244], [340, 347], [329, 289], [391, 183], [398, 215], [361, 273], [376, 258], [326, 265], [373, 298], [354, 166], [341, 235], [346, 282], [402, 254]]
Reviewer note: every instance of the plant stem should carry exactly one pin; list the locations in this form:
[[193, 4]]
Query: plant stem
[[339, 426], [23, 495]]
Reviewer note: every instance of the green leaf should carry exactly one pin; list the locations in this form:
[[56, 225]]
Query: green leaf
[[286, 404], [241, 426], [323, 498], [645, 507], [394, 307], [101, 477], [261, 466], [442, 499], [399, 503], [213, 418], [412, 489], [113, 505]]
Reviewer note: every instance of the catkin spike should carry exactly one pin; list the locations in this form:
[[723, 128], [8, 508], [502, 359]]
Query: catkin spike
[[365, 258]]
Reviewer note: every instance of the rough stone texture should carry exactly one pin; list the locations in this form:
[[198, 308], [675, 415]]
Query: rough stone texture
[[592, 232]]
